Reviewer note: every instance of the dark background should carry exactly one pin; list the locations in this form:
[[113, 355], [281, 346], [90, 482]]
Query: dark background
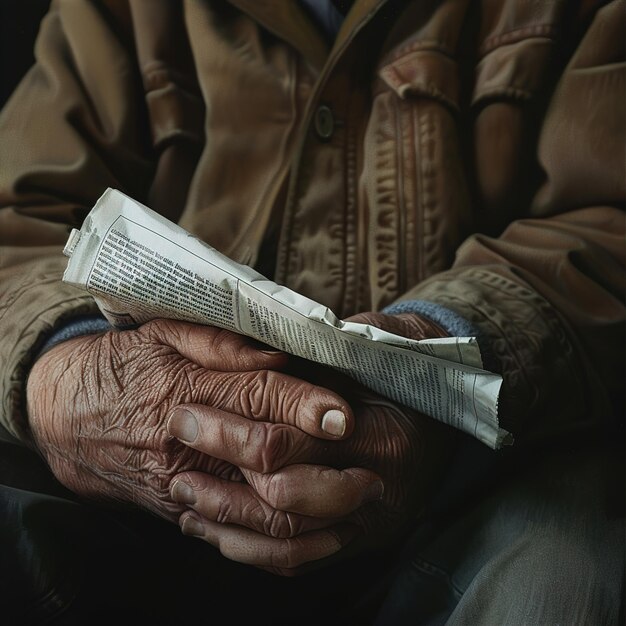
[[19, 24]]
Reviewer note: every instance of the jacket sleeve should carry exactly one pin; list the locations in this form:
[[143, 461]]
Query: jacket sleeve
[[69, 131], [548, 295]]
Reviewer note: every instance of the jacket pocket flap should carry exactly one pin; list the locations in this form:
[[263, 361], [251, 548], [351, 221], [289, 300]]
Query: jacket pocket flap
[[425, 73], [514, 71]]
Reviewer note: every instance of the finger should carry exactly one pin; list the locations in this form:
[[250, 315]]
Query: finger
[[235, 503], [259, 446], [279, 398], [214, 348], [408, 325], [316, 490], [246, 546]]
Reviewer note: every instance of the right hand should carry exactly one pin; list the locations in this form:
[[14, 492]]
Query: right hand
[[315, 498], [98, 407]]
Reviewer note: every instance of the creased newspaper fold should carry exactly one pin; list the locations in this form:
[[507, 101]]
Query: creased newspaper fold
[[139, 266]]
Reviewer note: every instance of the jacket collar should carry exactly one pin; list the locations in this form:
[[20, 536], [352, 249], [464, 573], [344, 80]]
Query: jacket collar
[[288, 20]]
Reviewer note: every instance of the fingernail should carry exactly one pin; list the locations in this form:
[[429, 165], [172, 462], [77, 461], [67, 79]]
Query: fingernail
[[183, 425], [183, 493], [272, 352], [334, 423], [191, 526], [374, 491]]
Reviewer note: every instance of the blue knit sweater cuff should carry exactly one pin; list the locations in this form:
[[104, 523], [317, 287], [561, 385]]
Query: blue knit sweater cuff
[[453, 323], [83, 325]]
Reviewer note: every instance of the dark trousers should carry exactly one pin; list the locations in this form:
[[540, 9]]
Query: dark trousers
[[529, 537]]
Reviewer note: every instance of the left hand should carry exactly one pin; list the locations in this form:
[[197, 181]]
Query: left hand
[[316, 496], [98, 406]]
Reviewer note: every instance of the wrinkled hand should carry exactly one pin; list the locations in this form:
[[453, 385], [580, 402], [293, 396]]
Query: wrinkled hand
[[98, 407], [309, 498]]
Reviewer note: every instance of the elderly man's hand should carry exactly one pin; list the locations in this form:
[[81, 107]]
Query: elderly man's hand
[[361, 491], [98, 407]]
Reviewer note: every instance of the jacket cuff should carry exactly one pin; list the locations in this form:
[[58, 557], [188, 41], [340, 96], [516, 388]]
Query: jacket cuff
[[524, 339], [34, 302]]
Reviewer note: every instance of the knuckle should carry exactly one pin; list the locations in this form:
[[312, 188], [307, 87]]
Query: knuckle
[[244, 442], [299, 399], [278, 524], [253, 515], [293, 556], [270, 395], [278, 446], [278, 492], [221, 342], [155, 329], [294, 400], [224, 510], [254, 447], [255, 393], [256, 457]]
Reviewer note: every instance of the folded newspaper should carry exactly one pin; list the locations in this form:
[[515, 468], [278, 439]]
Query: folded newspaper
[[139, 266]]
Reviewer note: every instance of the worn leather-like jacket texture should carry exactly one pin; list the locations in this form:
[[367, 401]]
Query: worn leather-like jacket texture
[[470, 154]]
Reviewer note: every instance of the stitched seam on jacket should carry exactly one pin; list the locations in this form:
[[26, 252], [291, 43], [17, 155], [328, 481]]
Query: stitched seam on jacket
[[419, 193], [401, 200], [424, 45], [352, 275], [538, 31]]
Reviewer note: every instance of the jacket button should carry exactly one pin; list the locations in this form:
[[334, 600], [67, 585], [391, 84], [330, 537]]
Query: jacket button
[[324, 123]]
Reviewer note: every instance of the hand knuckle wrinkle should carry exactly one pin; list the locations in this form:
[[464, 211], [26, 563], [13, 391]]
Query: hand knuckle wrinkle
[[279, 443], [294, 554], [278, 525], [277, 491], [256, 393], [224, 511]]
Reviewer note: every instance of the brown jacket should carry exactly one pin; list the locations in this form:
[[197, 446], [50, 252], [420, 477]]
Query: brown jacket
[[466, 153]]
